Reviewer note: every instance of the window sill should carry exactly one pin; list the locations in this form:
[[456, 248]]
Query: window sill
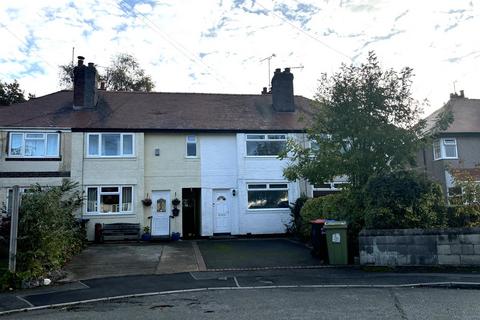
[[456, 158], [111, 158], [33, 159], [263, 157], [109, 215], [270, 210]]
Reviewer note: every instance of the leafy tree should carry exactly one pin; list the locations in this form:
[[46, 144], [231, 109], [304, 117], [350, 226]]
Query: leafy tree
[[465, 202], [366, 123], [123, 74], [11, 93]]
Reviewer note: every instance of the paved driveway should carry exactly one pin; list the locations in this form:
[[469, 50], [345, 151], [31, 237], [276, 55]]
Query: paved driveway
[[119, 259], [258, 253]]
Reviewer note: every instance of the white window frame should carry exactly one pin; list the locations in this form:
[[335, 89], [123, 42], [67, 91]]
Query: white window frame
[[443, 142], [100, 137], [265, 138], [24, 133], [100, 193], [187, 142], [267, 184], [21, 190]]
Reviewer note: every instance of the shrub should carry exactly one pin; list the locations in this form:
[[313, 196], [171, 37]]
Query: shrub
[[403, 199], [465, 206], [295, 225], [48, 234]]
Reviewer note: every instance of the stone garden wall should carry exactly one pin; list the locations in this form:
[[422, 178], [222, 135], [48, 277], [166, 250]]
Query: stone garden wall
[[416, 247]]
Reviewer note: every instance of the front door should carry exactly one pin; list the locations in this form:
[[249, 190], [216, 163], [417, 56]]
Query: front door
[[161, 213], [221, 211]]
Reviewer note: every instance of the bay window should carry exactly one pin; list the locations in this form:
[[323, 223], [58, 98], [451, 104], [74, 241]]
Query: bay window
[[110, 145], [34, 144], [109, 199], [267, 196]]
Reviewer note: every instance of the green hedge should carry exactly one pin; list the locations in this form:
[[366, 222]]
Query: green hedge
[[49, 233]]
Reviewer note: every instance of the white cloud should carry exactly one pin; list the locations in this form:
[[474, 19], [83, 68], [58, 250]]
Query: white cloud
[[216, 46]]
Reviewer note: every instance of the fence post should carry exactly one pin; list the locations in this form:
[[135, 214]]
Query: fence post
[[12, 260]]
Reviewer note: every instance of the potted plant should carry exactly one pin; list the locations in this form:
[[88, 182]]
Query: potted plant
[[147, 202], [146, 236], [175, 210]]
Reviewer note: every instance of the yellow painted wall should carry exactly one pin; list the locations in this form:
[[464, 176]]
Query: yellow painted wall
[[171, 170]]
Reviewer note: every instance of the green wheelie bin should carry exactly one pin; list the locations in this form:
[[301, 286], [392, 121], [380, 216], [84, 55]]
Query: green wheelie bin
[[337, 242]]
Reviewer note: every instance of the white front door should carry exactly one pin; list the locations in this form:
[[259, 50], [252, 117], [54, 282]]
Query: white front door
[[161, 213], [221, 211]]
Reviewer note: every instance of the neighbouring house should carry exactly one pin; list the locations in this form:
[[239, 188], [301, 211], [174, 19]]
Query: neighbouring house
[[457, 147], [214, 154]]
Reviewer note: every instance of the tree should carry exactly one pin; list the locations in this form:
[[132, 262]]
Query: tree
[[123, 74], [11, 93], [366, 123]]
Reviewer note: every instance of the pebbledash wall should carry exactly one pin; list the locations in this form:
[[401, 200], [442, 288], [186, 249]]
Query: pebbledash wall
[[416, 247]]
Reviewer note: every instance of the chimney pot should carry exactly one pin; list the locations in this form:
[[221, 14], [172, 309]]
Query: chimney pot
[[278, 70], [84, 85], [264, 90], [282, 91]]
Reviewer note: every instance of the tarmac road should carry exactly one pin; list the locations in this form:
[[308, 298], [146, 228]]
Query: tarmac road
[[281, 303]]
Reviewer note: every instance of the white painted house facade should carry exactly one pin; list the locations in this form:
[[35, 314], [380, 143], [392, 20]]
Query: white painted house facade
[[208, 163]]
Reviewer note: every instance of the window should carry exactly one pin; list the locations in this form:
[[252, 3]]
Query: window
[[265, 144], [326, 188], [110, 145], [34, 144], [445, 148], [455, 195], [111, 199], [267, 196], [191, 142], [21, 190]]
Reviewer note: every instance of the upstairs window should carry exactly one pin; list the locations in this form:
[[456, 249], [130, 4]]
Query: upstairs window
[[110, 145], [34, 144], [445, 148], [191, 145], [265, 144], [267, 196]]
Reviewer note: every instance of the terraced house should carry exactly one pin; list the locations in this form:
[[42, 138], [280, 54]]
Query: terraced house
[[207, 162]]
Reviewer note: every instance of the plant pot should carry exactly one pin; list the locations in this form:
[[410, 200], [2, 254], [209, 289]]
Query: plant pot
[[175, 212], [147, 202], [146, 237], [175, 202]]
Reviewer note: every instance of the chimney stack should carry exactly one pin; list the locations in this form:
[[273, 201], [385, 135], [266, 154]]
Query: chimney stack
[[84, 85], [282, 91]]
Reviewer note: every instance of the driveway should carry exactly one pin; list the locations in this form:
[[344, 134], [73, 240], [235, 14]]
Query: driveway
[[120, 259], [258, 253]]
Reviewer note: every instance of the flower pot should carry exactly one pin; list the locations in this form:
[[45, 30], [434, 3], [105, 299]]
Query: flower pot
[[146, 237], [147, 202]]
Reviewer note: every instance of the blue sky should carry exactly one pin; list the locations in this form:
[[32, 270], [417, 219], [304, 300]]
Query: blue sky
[[217, 45]]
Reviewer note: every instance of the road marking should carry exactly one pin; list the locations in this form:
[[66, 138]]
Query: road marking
[[147, 294], [25, 300], [198, 257], [83, 284], [236, 282]]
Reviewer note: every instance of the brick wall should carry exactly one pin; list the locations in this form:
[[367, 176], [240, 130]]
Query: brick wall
[[410, 247]]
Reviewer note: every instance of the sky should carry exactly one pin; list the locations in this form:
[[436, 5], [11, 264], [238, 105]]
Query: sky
[[223, 46]]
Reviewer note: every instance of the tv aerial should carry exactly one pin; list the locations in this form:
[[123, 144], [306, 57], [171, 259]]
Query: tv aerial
[[269, 58]]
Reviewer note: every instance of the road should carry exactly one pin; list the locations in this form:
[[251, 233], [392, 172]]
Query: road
[[281, 303]]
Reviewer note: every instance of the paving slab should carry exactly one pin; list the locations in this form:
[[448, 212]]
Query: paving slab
[[258, 253]]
